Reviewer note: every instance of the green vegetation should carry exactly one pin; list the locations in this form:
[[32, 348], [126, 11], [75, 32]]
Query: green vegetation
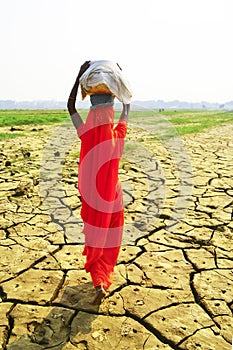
[[28, 117], [184, 121], [7, 135], [187, 122]]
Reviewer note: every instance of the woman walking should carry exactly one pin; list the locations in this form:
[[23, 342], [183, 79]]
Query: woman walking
[[101, 149]]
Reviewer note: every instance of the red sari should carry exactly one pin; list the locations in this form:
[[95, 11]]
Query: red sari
[[102, 209]]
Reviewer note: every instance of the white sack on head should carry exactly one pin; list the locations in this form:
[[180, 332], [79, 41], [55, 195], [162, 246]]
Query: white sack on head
[[109, 77]]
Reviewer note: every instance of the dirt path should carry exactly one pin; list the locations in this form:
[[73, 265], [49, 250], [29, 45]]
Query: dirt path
[[173, 286]]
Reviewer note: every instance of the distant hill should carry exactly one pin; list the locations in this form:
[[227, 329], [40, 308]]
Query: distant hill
[[39, 104], [176, 104], [135, 105]]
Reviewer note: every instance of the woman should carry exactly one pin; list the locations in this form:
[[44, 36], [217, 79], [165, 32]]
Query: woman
[[102, 202]]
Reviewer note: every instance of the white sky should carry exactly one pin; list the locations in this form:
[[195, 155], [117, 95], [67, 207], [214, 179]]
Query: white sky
[[168, 49]]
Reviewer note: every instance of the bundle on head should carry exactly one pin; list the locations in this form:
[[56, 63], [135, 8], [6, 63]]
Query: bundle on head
[[105, 77]]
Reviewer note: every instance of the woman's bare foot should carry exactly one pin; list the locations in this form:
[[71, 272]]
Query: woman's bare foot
[[100, 294]]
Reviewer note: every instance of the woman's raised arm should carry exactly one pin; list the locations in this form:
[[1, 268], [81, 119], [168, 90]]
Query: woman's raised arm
[[75, 116], [125, 112]]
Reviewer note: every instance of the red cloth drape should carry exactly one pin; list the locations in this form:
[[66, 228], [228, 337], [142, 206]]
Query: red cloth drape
[[102, 201]]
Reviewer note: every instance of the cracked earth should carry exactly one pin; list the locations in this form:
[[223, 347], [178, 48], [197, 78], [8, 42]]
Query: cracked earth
[[173, 283]]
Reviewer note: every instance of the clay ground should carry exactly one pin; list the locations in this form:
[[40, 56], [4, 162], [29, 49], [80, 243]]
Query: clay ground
[[173, 284]]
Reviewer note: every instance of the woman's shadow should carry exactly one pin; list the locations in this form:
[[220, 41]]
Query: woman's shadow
[[72, 315]]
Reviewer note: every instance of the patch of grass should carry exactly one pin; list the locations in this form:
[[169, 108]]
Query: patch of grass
[[184, 121], [27, 117], [35, 117], [130, 146], [7, 135], [75, 155], [195, 122], [19, 169]]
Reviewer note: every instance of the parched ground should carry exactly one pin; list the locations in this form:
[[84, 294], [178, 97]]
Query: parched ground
[[173, 285]]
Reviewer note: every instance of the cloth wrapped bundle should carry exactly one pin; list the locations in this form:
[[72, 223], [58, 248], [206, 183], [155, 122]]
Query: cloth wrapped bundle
[[105, 77]]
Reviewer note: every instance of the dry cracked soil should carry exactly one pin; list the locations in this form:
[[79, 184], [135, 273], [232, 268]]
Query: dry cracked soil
[[173, 283]]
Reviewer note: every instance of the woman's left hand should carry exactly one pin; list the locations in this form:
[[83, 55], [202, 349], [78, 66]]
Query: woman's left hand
[[83, 68]]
